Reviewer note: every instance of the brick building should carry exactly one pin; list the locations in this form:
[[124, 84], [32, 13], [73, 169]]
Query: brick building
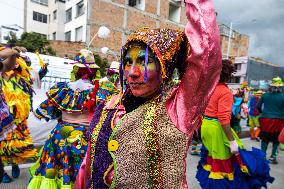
[[125, 16], [239, 43]]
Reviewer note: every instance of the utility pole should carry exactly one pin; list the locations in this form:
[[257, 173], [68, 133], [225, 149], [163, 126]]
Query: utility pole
[[229, 43]]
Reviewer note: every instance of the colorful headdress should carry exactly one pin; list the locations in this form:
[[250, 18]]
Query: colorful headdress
[[165, 43], [277, 82], [85, 64]]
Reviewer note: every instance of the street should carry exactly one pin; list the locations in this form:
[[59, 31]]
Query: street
[[276, 171]]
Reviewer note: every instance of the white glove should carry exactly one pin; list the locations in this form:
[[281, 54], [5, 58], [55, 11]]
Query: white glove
[[234, 147]]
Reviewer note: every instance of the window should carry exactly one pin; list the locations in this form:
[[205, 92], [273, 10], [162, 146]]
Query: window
[[39, 17], [54, 36], [41, 2], [238, 67], [139, 4], [68, 36], [79, 34], [68, 15], [174, 11], [80, 8], [54, 15]]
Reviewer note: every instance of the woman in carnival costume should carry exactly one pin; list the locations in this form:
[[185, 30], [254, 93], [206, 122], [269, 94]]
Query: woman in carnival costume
[[141, 138], [7, 63], [224, 163], [71, 103], [17, 90], [271, 107]]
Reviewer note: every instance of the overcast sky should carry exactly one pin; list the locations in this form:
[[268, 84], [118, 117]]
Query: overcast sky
[[262, 20]]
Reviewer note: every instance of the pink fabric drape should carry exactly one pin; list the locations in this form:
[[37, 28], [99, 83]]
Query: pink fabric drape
[[188, 101]]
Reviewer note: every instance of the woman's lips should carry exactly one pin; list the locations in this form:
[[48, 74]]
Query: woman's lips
[[136, 84]]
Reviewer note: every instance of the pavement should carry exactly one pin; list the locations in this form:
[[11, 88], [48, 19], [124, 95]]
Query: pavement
[[276, 171]]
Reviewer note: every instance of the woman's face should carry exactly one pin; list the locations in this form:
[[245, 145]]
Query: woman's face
[[134, 70]]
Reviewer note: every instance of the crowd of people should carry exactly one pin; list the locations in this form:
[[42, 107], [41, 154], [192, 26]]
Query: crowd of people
[[133, 128]]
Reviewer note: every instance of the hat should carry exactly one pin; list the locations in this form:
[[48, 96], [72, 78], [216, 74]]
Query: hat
[[114, 66], [85, 58], [259, 92], [277, 82], [164, 43]]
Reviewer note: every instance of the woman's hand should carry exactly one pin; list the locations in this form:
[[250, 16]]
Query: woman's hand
[[234, 147], [9, 59]]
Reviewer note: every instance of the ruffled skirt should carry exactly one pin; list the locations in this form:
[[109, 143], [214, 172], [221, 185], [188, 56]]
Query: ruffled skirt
[[18, 146], [218, 168]]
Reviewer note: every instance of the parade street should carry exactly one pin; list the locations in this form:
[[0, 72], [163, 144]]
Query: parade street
[[276, 171]]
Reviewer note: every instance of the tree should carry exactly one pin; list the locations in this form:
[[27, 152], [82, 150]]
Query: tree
[[102, 63], [32, 42]]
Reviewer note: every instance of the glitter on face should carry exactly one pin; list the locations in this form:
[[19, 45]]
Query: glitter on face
[[134, 72]]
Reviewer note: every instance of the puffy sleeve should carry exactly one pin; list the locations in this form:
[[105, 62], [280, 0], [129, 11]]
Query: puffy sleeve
[[47, 110], [188, 101]]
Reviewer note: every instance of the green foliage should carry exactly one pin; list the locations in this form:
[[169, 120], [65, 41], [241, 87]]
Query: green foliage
[[32, 42], [102, 63]]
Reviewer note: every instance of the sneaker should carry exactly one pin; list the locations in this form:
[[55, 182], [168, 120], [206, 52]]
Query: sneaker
[[15, 171], [6, 178], [273, 160]]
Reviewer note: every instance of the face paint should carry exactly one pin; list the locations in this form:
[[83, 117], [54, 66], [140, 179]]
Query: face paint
[[134, 72]]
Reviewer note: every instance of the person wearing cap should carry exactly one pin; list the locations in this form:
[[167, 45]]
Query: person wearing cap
[[71, 103], [7, 63], [17, 147], [271, 107], [254, 115]]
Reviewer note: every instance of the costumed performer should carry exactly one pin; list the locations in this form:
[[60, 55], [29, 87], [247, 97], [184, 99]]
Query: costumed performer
[[224, 163], [70, 103], [236, 111], [17, 147], [271, 107], [7, 63], [142, 137], [254, 115]]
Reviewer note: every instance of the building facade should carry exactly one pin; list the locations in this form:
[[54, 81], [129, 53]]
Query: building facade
[[57, 19], [79, 20], [125, 16], [5, 32], [257, 72], [236, 45]]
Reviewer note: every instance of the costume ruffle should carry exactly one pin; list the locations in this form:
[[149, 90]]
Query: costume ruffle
[[248, 170], [66, 99], [219, 168], [40, 182], [47, 110], [17, 146], [18, 101]]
